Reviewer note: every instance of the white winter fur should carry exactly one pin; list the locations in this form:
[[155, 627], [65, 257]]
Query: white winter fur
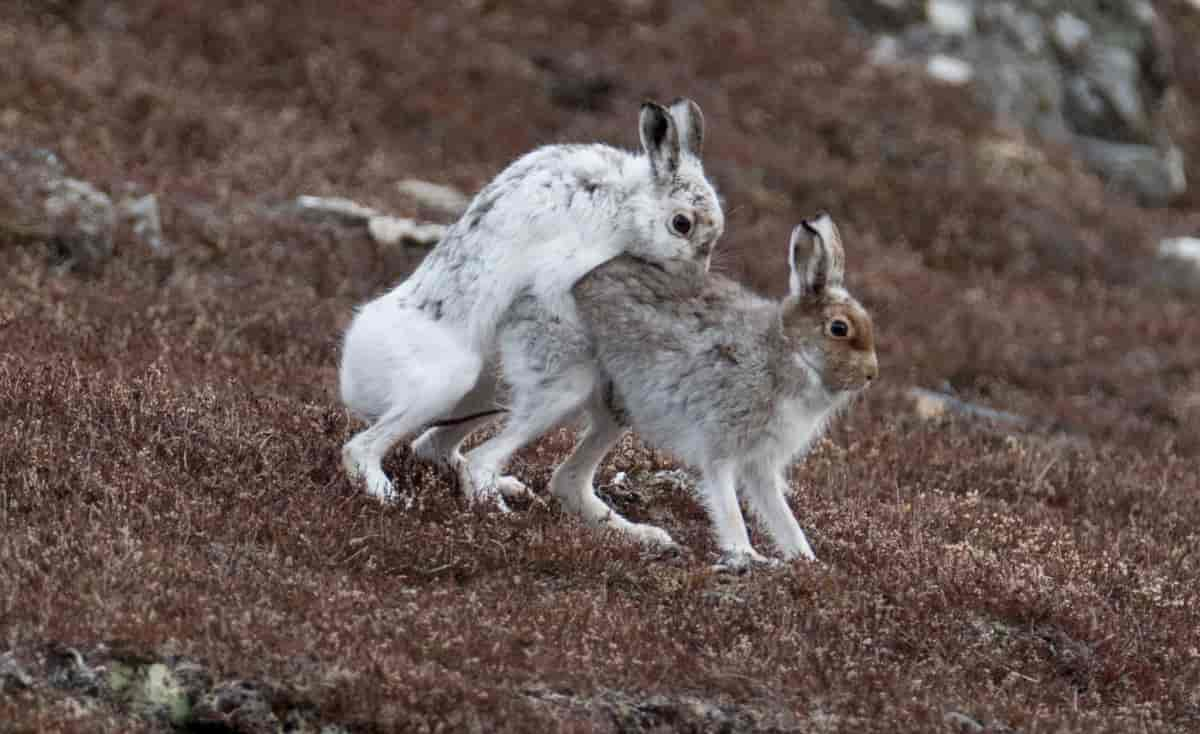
[[418, 353], [732, 384]]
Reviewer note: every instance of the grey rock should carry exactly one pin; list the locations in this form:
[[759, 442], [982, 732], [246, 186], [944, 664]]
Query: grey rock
[[961, 722], [1114, 74], [1177, 265], [1019, 28], [82, 219], [632, 712], [951, 17], [392, 230], [1097, 69], [1019, 88], [930, 404], [1069, 32], [445, 199], [237, 705], [885, 14], [40, 203], [12, 676], [335, 208], [1086, 110], [144, 220], [383, 228], [166, 689], [69, 671], [1154, 176], [886, 50], [949, 69]]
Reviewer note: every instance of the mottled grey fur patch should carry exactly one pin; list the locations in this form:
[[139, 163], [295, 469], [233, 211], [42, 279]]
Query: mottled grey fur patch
[[433, 309]]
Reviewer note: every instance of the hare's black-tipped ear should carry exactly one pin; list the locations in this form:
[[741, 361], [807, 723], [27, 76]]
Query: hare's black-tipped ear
[[660, 139], [827, 264], [690, 121]]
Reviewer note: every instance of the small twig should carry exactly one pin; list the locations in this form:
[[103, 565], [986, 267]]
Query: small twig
[[466, 418]]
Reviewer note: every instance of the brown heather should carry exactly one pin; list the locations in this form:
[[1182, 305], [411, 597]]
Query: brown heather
[[169, 428]]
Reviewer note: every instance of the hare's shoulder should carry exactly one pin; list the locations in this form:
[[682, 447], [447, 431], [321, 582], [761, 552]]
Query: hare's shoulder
[[629, 277], [674, 285], [675, 301]]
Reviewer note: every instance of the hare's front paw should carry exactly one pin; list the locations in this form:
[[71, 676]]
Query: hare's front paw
[[742, 560]]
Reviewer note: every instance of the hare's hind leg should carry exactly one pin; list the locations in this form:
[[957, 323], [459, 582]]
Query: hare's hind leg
[[766, 494], [534, 412], [572, 482], [440, 445], [403, 378]]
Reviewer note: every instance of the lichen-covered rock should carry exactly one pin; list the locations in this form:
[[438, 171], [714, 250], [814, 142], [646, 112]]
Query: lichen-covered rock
[[166, 688]]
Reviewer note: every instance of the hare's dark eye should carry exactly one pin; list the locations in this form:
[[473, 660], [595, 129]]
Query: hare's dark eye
[[681, 224], [839, 329]]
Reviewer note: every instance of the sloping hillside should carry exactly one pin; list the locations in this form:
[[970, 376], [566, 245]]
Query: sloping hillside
[[170, 491]]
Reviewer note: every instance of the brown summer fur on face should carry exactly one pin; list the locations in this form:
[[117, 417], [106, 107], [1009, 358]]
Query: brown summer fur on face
[[851, 359]]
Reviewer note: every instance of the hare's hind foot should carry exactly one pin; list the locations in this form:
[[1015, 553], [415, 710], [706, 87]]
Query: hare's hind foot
[[431, 449], [581, 500], [490, 487], [743, 560], [476, 484], [373, 478]]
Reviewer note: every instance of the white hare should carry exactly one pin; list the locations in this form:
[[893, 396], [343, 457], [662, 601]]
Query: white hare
[[418, 354], [735, 385]]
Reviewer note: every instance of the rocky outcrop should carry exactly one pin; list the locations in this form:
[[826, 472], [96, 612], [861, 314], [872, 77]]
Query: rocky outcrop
[[39, 202], [1089, 73], [167, 689]]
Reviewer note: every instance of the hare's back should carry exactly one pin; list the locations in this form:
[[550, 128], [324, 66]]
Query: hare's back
[[661, 303]]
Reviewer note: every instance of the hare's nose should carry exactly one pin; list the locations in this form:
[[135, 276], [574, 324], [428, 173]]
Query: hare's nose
[[872, 370]]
